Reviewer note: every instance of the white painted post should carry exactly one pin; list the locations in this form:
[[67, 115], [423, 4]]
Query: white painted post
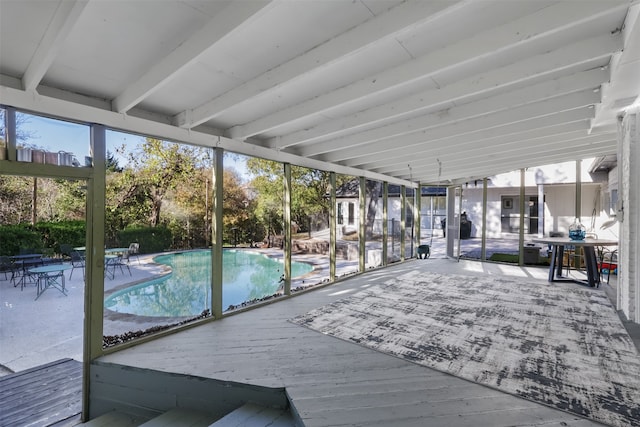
[[628, 214]]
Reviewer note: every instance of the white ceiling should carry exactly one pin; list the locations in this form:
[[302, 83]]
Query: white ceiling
[[425, 91]]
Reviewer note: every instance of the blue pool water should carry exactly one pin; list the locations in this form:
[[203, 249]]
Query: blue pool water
[[246, 276]]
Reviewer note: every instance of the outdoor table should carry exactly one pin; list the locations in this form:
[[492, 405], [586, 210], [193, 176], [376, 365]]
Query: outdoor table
[[591, 263], [50, 276], [115, 250], [25, 256]]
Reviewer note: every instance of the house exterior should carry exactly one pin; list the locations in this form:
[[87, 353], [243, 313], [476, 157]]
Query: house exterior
[[554, 198]]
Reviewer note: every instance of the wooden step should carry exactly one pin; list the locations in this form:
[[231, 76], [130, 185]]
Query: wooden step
[[253, 415], [115, 419], [180, 417]]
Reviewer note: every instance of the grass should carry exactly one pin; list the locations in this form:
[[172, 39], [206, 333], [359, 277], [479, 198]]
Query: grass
[[514, 259]]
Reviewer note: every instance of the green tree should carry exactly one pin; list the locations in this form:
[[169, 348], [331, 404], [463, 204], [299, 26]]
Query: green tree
[[309, 193], [268, 185], [15, 199], [155, 171]]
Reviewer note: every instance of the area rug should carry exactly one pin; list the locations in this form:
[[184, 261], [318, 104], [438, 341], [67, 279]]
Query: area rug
[[556, 344]]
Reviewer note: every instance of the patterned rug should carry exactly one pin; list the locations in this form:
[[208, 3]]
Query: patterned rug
[[555, 344]]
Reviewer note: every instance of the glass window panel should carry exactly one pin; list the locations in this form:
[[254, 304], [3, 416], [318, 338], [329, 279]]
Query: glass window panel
[[253, 230], [51, 141], [409, 230], [373, 224], [394, 224], [310, 226], [347, 238], [44, 214], [433, 219], [157, 205]]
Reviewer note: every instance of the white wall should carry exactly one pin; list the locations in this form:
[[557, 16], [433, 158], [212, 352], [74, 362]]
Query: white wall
[[559, 173], [559, 207]]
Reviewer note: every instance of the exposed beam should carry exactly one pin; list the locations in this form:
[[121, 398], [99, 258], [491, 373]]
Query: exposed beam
[[564, 60], [502, 150], [624, 87], [471, 144], [64, 19], [232, 18], [531, 128], [517, 114], [529, 35], [398, 21], [585, 80], [460, 173]]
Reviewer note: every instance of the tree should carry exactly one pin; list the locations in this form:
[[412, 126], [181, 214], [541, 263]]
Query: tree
[[373, 190], [268, 185], [21, 135], [309, 193], [15, 199], [156, 169]]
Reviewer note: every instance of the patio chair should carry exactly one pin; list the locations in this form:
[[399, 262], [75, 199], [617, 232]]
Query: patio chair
[[65, 250], [608, 263], [120, 261], [77, 261], [7, 266], [134, 250]]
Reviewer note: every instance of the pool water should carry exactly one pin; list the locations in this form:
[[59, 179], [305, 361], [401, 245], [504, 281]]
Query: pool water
[[186, 291]]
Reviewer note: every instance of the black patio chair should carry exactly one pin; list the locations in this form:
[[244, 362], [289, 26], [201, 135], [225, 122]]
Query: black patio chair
[[121, 262], [77, 261], [7, 266], [65, 250]]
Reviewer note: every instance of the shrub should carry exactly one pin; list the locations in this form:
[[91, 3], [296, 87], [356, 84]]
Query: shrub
[[16, 237], [151, 239], [63, 232]]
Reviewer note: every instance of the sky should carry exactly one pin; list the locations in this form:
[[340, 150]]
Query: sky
[[57, 135]]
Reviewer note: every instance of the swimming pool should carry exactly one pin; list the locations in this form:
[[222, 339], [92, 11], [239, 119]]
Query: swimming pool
[[246, 275]]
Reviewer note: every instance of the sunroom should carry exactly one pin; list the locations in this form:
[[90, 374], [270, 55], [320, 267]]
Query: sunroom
[[408, 95]]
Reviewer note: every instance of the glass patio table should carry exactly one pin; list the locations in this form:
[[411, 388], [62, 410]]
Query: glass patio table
[[50, 276], [111, 251]]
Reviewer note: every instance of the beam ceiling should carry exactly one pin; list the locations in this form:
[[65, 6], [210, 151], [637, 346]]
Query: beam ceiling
[[387, 89]]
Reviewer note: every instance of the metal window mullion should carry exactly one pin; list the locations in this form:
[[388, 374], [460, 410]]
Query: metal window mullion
[[94, 263], [521, 233], [287, 228], [403, 218], [216, 232], [332, 228], [385, 223], [362, 225]]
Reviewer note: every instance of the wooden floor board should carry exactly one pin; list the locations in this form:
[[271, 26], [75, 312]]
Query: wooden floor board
[[44, 395], [332, 382]]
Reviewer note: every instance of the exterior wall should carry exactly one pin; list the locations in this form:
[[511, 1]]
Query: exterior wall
[[629, 216], [394, 214], [559, 207]]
